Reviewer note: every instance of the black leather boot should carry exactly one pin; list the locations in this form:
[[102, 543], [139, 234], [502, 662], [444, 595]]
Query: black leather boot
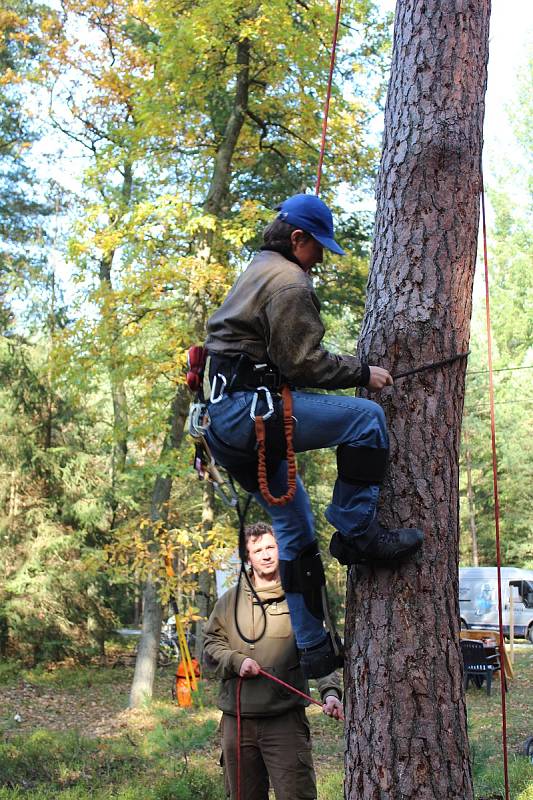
[[323, 658], [377, 545]]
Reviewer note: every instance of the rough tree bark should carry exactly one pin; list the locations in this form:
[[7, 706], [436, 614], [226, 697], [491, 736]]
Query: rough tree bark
[[406, 717]]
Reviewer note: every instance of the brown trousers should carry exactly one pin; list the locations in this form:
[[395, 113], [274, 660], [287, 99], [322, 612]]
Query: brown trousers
[[274, 750]]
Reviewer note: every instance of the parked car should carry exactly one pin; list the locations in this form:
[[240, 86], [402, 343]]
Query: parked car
[[478, 599]]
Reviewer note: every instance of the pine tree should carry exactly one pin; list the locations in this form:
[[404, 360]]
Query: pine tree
[[406, 715]]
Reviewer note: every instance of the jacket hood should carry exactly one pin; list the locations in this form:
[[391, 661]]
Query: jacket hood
[[274, 592]]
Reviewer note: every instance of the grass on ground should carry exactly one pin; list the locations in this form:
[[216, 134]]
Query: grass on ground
[[65, 734]]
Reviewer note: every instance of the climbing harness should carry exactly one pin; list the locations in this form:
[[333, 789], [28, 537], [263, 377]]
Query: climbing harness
[[274, 440], [204, 462], [241, 374], [198, 424]]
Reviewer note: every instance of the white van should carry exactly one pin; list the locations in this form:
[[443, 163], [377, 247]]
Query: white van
[[478, 599]]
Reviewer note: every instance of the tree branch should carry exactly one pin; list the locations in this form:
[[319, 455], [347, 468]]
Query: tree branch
[[263, 124], [221, 172]]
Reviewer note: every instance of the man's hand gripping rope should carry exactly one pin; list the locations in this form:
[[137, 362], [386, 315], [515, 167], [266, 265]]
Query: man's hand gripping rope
[[331, 706]]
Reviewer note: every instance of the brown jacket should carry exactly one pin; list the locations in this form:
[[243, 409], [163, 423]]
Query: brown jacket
[[272, 312], [275, 652]]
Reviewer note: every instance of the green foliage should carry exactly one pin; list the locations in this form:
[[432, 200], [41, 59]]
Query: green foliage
[[489, 780], [151, 97], [161, 764], [182, 739], [511, 289], [22, 210], [52, 526], [41, 758], [331, 786], [196, 784], [74, 678]]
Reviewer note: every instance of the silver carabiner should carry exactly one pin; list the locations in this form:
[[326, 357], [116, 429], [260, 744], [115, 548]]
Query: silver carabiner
[[213, 398], [198, 421], [268, 398]]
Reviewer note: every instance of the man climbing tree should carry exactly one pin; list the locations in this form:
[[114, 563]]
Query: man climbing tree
[[406, 720], [265, 337]]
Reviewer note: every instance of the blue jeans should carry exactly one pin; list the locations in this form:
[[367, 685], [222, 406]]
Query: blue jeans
[[322, 420]]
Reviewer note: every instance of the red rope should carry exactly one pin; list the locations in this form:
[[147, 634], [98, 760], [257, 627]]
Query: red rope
[[492, 415], [328, 98], [496, 496], [290, 688], [239, 684]]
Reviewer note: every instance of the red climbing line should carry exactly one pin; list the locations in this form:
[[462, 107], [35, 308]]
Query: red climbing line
[[239, 684], [496, 496], [328, 97], [290, 688]]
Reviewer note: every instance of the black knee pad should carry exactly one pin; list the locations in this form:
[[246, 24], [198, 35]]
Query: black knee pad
[[305, 575], [362, 465]]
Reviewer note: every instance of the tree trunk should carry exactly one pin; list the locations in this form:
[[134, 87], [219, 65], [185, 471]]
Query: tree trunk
[[115, 357], [142, 685], [222, 171], [118, 391], [137, 603], [470, 499], [146, 662], [203, 593], [406, 715]]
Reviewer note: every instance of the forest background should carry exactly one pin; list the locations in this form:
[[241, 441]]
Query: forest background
[[143, 147]]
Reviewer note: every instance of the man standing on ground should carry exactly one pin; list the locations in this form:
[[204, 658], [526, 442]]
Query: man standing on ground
[[275, 739]]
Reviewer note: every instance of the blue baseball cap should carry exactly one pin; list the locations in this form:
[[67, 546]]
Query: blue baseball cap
[[311, 214]]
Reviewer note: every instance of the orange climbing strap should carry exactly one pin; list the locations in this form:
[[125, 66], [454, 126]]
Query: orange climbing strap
[[260, 432]]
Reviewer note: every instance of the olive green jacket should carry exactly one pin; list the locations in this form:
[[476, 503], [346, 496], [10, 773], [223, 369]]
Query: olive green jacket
[[275, 652], [273, 314]]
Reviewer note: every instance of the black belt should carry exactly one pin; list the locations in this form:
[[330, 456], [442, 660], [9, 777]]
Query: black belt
[[243, 374]]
